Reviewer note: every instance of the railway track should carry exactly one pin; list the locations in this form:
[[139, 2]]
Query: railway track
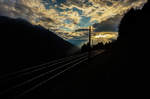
[[26, 80]]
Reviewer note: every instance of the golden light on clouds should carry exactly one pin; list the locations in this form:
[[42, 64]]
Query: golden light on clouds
[[64, 17], [105, 37]]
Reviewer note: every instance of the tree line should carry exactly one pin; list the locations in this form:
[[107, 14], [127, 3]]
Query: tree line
[[86, 47]]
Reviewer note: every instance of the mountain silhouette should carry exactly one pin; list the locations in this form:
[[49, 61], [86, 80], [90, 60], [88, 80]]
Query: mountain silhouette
[[23, 43]]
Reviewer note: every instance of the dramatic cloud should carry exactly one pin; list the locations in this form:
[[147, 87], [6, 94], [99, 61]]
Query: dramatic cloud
[[105, 37], [108, 25], [67, 18]]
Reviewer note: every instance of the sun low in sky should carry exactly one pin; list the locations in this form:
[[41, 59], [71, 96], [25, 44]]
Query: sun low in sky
[[70, 19]]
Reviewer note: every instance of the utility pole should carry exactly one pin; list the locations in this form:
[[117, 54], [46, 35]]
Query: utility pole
[[90, 30]]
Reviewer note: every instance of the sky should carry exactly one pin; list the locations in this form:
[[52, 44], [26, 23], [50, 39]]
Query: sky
[[70, 19]]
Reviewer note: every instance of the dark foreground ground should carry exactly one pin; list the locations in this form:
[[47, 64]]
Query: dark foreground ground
[[87, 79], [108, 75]]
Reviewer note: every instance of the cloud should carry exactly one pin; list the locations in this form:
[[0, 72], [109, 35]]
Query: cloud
[[108, 25], [104, 37], [65, 17]]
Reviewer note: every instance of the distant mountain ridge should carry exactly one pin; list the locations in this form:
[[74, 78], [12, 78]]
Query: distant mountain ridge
[[24, 43]]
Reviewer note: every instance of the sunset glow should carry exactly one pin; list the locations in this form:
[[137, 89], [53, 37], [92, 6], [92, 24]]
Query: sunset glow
[[66, 18]]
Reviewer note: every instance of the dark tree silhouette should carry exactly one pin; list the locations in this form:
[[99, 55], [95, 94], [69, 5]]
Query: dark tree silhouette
[[97, 46], [131, 45]]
